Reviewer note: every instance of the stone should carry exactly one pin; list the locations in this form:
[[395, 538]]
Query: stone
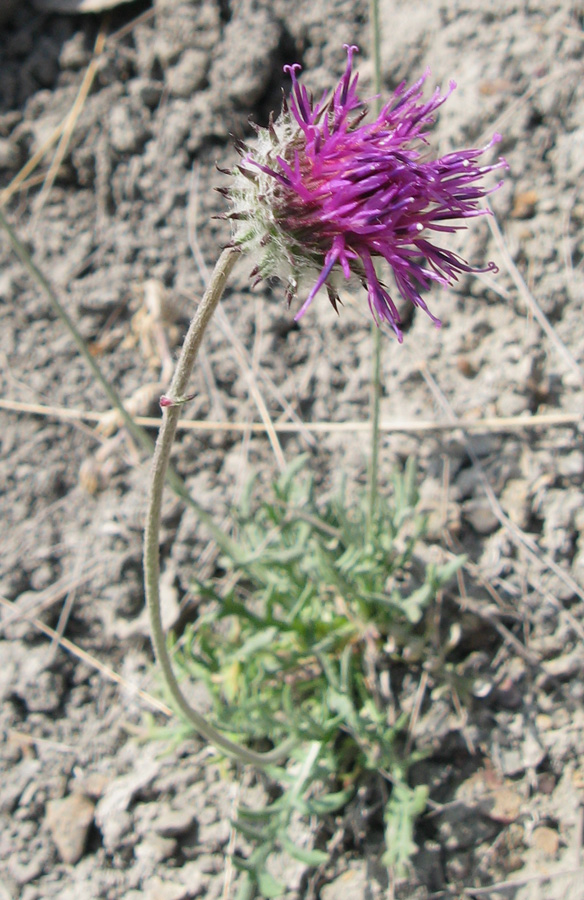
[[9, 156], [69, 821], [30, 868], [157, 889], [44, 693], [515, 500], [74, 54], [174, 822], [111, 813], [128, 132], [188, 75], [153, 850], [351, 885], [546, 840], [460, 828], [194, 878], [480, 515], [571, 465], [147, 90], [504, 805], [20, 777], [511, 404]]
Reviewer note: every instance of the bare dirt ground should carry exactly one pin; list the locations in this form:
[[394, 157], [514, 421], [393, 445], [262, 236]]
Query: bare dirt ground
[[89, 808]]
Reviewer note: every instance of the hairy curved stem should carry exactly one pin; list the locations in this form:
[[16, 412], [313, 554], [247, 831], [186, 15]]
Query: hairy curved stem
[[152, 532]]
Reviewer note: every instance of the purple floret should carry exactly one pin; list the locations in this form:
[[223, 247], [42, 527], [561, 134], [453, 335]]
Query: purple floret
[[349, 193]]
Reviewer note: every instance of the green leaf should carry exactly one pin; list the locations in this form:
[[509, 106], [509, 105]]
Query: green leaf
[[413, 606], [286, 479], [251, 833], [243, 865], [260, 815], [245, 504], [401, 812], [303, 855], [253, 644], [268, 885], [247, 888], [342, 704], [445, 572], [330, 803]]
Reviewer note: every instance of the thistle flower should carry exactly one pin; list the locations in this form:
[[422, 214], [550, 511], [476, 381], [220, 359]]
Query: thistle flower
[[322, 192]]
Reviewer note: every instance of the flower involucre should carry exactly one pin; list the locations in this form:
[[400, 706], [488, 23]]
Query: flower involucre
[[323, 192]]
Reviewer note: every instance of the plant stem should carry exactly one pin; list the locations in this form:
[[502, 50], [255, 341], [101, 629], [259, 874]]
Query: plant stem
[[373, 474], [376, 333], [162, 453], [162, 471]]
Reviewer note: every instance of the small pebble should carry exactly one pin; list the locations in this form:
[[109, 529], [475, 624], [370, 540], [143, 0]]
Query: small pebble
[[174, 822], [69, 821], [546, 840]]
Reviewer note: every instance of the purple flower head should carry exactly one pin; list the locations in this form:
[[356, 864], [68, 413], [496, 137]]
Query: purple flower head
[[324, 192]]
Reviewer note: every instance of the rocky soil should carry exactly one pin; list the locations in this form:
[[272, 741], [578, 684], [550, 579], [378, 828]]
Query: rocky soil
[[90, 806]]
